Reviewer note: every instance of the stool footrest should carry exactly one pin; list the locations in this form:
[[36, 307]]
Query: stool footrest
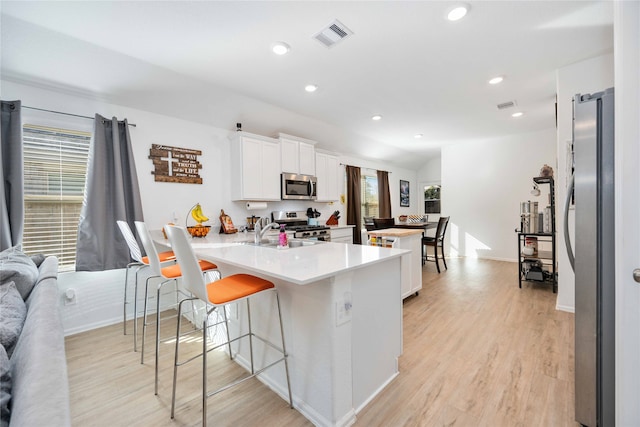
[[259, 371]]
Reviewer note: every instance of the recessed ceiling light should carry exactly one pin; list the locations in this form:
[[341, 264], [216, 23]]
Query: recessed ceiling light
[[457, 12], [518, 114], [418, 136], [496, 80], [311, 88], [376, 117], [280, 48]]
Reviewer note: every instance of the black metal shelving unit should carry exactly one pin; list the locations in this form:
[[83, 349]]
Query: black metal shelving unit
[[547, 258]]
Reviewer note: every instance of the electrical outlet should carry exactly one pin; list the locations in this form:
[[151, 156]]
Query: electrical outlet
[[343, 309], [70, 297]]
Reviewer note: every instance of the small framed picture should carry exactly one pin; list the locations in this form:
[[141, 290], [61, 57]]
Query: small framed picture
[[404, 193]]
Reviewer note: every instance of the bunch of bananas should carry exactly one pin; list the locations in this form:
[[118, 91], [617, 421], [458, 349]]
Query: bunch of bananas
[[196, 214]]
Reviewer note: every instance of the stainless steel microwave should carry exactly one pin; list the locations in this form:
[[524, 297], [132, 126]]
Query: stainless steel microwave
[[298, 187]]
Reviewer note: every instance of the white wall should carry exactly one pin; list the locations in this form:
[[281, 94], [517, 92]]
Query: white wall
[[592, 75], [483, 184], [431, 172], [100, 294]]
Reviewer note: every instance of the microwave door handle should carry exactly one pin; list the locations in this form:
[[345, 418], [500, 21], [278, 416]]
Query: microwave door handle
[[311, 188]]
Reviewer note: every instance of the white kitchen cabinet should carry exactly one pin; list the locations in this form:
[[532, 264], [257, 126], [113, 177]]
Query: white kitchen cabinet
[[342, 234], [255, 167], [307, 158], [297, 155], [411, 265], [327, 171]]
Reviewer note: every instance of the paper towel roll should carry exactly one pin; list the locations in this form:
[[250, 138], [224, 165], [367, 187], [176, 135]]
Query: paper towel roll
[[253, 206]]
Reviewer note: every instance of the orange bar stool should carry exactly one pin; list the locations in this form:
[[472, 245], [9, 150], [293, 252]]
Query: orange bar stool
[[169, 274], [216, 295], [141, 262]]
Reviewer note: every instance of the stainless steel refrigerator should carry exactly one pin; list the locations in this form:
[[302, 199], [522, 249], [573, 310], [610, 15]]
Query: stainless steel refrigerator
[[593, 195]]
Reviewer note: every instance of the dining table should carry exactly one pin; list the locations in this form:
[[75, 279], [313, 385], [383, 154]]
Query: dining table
[[424, 225]]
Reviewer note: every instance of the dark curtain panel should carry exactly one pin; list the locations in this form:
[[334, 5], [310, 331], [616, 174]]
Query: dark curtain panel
[[111, 194], [384, 197], [11, 166], [354, 200]]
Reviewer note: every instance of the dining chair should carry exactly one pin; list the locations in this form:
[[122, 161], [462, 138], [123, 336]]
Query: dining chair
[[368, 223], [139, 261], [382, 223], [436, 242], [216, 296], [168, 274]]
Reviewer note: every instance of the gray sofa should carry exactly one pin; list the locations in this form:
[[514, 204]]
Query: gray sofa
[[36, 383]]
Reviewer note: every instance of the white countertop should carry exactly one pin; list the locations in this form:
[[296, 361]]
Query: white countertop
[[301, 265]]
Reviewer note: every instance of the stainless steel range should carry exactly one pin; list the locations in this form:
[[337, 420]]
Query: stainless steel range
[[296, 221]]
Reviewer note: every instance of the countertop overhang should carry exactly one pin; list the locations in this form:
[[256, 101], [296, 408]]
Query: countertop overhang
[[301, 265]]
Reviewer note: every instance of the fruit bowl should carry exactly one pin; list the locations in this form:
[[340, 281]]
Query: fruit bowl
[[199, 230]]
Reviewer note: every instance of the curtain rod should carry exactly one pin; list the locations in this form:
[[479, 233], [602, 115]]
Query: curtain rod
[[67, 114], [362, 167]]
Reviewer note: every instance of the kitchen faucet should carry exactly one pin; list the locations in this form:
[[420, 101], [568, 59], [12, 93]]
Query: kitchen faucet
[[260, 231]]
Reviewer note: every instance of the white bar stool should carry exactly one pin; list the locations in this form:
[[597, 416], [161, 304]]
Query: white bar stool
[[141, 262], [216, 295], [169, 274]]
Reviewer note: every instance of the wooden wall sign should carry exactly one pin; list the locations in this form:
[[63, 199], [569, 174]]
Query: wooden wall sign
[[175, 164]]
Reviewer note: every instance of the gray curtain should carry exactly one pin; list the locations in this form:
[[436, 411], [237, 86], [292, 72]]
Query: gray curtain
[[384, 197], [111, 194], [11, 166], [354, 201]]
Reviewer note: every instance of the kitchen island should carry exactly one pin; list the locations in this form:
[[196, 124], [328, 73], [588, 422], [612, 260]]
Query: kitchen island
[[403, 238], [342, 314]]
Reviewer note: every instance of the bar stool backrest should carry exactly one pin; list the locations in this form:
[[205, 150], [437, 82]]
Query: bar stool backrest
[[149, 248], [193, 280], [134, 249]]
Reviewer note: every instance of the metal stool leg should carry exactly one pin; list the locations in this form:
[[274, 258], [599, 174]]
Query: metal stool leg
[[126, 286], [284, 351], [158, 331], [135, 310], [250, 336], [226, 325], [204, 369], [177, 352], [144, 319], [124, 305]]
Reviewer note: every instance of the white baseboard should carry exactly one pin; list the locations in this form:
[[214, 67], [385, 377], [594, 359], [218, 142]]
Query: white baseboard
[[90, 326], [566, 308]]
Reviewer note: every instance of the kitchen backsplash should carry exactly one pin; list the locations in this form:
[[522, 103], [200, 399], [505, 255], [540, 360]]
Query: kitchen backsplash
[[240, 212]]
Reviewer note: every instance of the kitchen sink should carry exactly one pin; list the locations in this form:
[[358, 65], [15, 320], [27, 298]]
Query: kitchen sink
[[293, 243], [296, 243]]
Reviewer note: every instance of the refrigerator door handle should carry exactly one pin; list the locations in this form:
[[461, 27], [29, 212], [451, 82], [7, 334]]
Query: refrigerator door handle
[[567, 238]]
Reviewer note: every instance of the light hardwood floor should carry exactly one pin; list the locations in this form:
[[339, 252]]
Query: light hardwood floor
[[478, 351]]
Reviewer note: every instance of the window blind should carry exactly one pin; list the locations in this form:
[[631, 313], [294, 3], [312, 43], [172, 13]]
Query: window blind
[[55, 170], [369, 194]]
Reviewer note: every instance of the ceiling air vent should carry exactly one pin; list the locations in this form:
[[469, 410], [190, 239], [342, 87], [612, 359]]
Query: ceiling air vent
[[333, 33], [506, 105]]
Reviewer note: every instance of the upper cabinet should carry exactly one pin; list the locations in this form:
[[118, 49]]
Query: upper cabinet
[[297, 155], [327, 171], [255, 167]]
